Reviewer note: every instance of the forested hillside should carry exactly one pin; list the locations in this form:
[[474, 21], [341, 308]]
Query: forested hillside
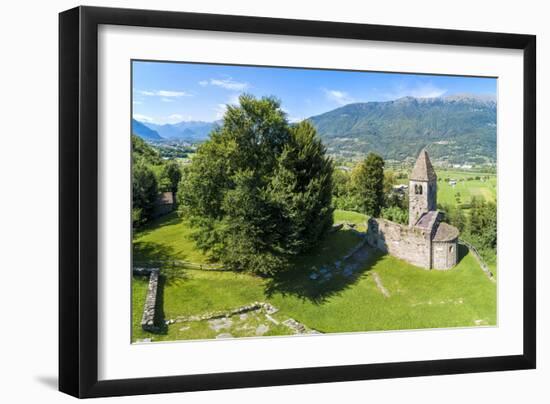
[[456, 129]]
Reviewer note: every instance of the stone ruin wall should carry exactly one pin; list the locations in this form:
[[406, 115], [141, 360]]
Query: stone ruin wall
[[148, 318], [407, 243]]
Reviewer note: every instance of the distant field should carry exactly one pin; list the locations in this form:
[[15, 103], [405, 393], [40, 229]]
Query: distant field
[[467, 189], [417, 298], [446, 193]]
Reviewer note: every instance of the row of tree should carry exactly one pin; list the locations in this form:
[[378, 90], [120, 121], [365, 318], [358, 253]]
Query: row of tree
[[151, 175], [369, 189], [479, 227]]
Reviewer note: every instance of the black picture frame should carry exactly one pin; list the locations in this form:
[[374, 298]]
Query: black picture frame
[[78, 201]]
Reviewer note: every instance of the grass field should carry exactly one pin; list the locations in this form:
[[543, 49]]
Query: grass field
[[166, 239], [344, 216], [446, 193], [417, 298]]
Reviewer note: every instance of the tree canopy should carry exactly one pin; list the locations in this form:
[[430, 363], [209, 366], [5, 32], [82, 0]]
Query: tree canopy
[[150, 175], [368, 181], [259, 190]]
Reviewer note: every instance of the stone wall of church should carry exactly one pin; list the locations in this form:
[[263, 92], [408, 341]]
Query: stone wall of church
[[407, 243], [420, 203], [445, 254]]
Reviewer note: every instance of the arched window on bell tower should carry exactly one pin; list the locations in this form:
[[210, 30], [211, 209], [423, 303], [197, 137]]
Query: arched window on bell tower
[[422, 189]]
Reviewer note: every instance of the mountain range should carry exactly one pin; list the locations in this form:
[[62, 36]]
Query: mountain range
[[144, 132], [456, 129]]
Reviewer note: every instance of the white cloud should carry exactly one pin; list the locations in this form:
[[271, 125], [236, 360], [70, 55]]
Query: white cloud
[[291, 118], [227, 83], [143, 118], [175, 118], [234, 99], [220, 110], [420, 90], [137, 102], [295, 119], [167, 100], [161, 120], [165, 93], [339, 97]]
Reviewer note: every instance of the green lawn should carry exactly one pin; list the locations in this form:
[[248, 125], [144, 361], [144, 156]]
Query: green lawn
[[345, 216], [418, 298], [463, 296], [167, 238]]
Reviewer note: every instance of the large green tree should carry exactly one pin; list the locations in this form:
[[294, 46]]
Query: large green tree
[[368, 182], [482, 223], [259, 190], [171, 176], [301, 187], [454, 215], [144, 193]]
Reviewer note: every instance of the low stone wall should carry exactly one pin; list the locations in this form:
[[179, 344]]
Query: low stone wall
[[148, 318], [407, 243], [144, 267], [143, 271], [479, 259], [269, 309]]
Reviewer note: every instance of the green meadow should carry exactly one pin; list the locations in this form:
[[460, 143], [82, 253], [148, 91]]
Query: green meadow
[[413, 298], [467, 186]]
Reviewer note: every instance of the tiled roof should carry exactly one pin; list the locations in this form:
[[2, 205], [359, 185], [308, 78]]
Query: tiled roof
[[445, 232], [423, 169], [427, 220]]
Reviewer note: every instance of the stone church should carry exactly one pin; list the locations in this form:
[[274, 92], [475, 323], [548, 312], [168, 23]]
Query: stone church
[[426, 242]]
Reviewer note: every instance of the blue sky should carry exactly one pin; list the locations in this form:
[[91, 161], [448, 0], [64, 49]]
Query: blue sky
[[175, 92]]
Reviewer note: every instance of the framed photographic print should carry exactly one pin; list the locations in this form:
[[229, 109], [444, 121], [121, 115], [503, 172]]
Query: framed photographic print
[[251, 201]]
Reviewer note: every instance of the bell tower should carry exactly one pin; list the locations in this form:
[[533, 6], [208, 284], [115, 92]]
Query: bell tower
[[422, 188]]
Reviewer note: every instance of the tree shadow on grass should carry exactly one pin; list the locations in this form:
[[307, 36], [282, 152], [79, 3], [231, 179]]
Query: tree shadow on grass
[[297, 282], [462, 252], [167, 220], [148, 253]]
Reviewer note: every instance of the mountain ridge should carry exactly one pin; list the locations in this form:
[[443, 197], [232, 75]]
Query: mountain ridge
[[193, 131], [457, 128], [143, 131]]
